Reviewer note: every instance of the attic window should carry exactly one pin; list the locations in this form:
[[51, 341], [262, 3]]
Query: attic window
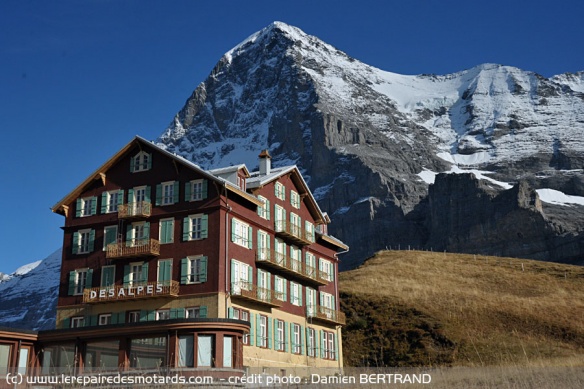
[[141, 162]]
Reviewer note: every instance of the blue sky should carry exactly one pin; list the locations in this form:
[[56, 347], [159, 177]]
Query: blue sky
[[78, 79]]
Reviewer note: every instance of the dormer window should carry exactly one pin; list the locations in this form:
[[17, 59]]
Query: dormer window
[[141, 162], [241, 182]]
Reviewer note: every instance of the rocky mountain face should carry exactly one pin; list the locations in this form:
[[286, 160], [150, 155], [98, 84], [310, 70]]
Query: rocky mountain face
[[28, 297], [371, 144]]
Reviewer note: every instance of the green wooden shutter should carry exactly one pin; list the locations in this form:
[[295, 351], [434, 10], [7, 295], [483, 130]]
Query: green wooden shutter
[[147, 193], [203, 311], [149, 163], [89, 279], [158, 194], [72, 283], [286, 336], [302, 341], [232, 273], [233, 230], [230, 313], [270, 331], [130, 196], [249, 237], [336, 347], [204, 226], [188, 188], [300, 289], [203, 267], [251, 329], [75, 247], [129, 234], [66, 323], [107, 276], [186, 229], [144, 273], [164, 233], [205, 189], [126, 275], [285, 291], [120, 197], [267, 212], [93, 205], [104, 202], [114, 318], [151, 316], [249, 274], [78, 208], [132, 164], [175, 192], [180, 313], [92, 320], [91, 240], [110, 235], [291, 336], [258, 330], [147, 231], [143, 315], [184, 271], [173, 314]]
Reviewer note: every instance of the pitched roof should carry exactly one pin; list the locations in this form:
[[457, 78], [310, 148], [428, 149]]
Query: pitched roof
[[100, 173]]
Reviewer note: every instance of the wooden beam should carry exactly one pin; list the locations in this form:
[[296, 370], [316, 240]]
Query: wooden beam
[[102, 176]]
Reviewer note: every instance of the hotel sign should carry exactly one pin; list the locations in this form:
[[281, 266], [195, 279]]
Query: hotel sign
[[116, 293]]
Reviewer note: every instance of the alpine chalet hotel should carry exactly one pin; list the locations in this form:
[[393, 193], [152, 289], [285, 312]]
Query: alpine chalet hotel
[[169, 266]]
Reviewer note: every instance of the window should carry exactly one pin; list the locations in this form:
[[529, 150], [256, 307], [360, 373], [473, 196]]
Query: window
[[295, 224], [111, 200], [328, 345], [77, 321], [280, 191], [280, 288], [241, 182], [327, 267], [295, 293], [241, 314], [191, 313], [241, 277], [295, 199], [279, 218], [263, 282], [186, 351], [193, 270], [327, 304], [310, 264], [163, 314], [205, 350], [311, 341], [280, 254], [83, 241], [141, 162], [227, 351], [295, 262], [86, 206], [309, 231], [196, 190], [264, 210], [166, 231], [296, 339], [79, 280], [241, 233], [263, 331], [135, 273], [167, 193], [110, 236], [104, 319], [280, 335], [108, 275], [5, 359], [195, 227], [310, 302], [164, 275], [263, 246], [138, 234], [133, 316]]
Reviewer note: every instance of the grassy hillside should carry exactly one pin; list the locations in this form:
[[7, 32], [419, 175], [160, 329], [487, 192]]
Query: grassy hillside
[[411, 308]]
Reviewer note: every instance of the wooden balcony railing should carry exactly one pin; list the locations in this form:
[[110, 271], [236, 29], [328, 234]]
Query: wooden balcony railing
[[137, 291], [318, 312], [249, 291], [134, 210], [293, 232], [134, 248], [291, 266]]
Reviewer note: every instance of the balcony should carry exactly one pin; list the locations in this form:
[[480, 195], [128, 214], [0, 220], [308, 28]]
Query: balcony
[[324, 314], [293, 233], [142, 290], [291, 267], [249, 291], [133, 249], [140, 209]]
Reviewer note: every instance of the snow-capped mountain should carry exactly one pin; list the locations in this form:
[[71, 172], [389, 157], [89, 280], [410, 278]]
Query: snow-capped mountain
[[364, 138], [28, 296]]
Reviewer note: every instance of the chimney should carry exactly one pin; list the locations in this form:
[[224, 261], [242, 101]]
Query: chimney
[[265, 163]]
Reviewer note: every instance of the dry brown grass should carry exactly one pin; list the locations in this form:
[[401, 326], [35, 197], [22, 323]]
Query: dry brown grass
[[498, 311]]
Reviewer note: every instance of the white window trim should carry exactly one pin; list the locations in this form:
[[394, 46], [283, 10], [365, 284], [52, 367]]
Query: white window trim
[[295, 199], [280, 191], [280, 335], [199, 217], [194, 192], [263, 208], [297, 339], [163, 197], [311, 342], [104, 319], [135, 315], [243, 238], [163, 314], [263, 335], [295, 293], [131, 280], [77, 322], [190, 312], [85, 200], [109, 196], [80, 242], [140, 165], [80, 287], [190, 273]]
